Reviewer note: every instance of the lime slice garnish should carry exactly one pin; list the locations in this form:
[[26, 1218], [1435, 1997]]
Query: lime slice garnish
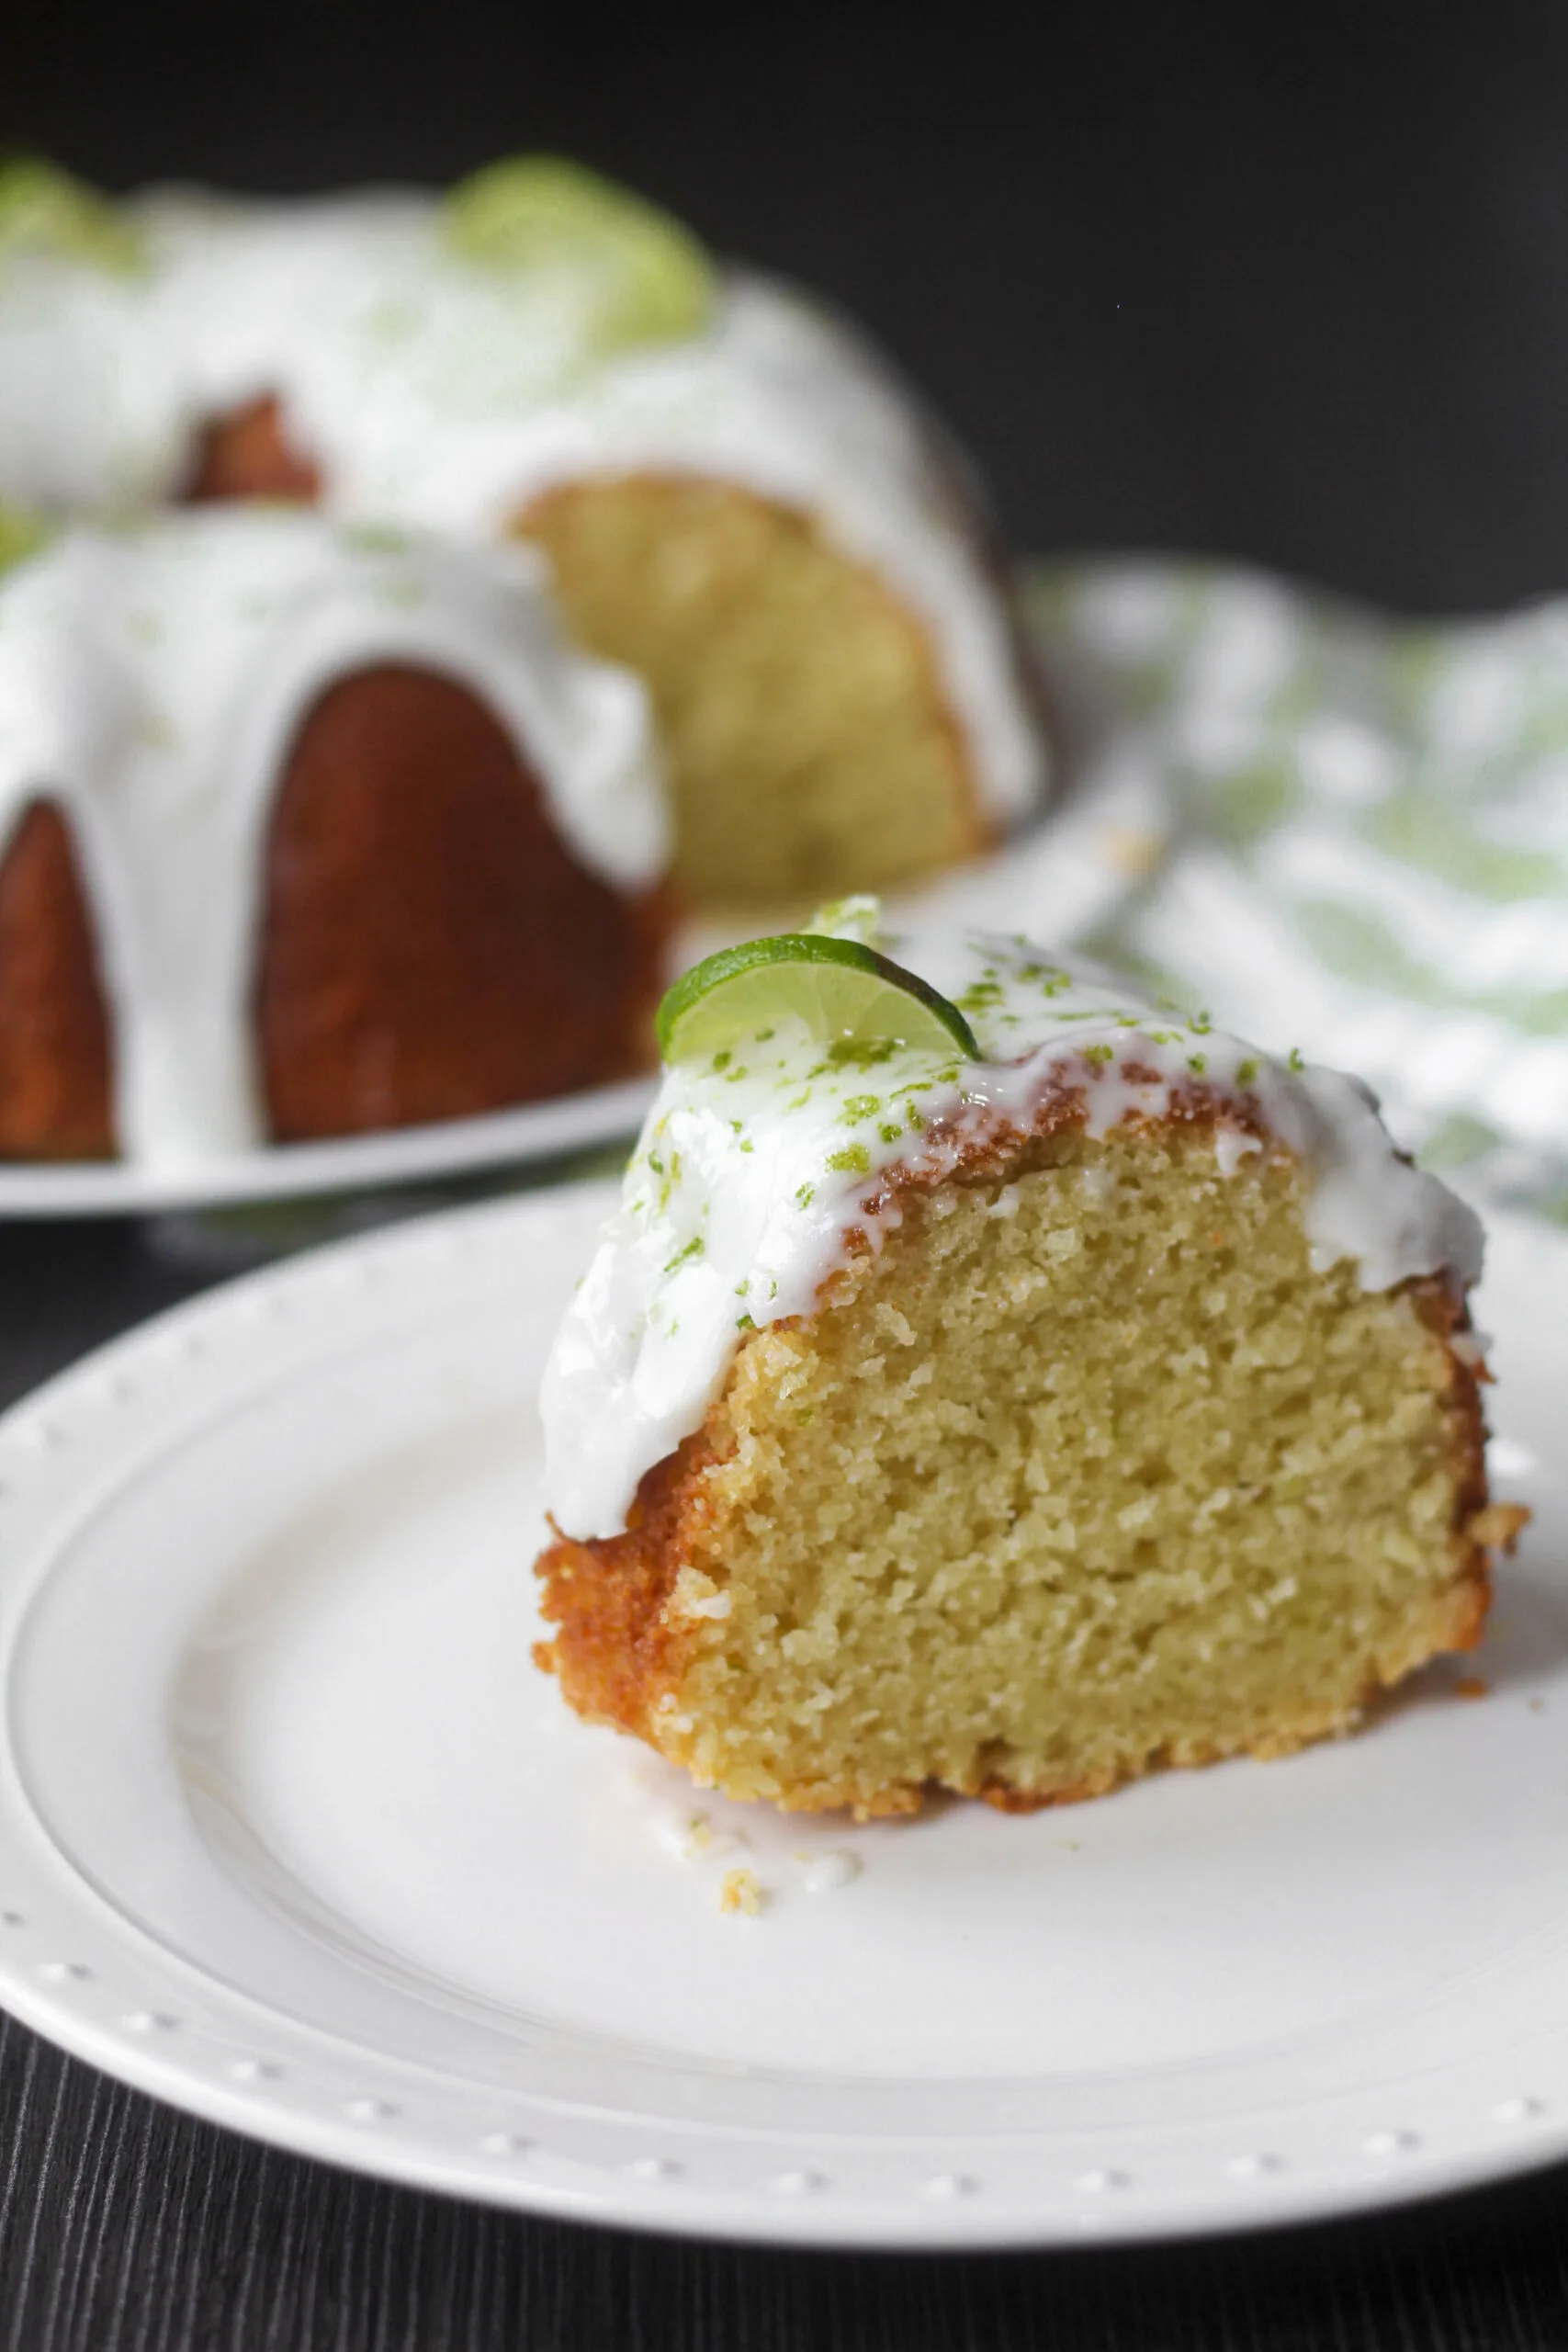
[[646, 279], [844, 991], [43, 210]]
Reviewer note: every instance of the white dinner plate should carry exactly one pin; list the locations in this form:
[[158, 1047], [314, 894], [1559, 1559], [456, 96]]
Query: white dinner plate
[[448, 1148], [294, 1835]]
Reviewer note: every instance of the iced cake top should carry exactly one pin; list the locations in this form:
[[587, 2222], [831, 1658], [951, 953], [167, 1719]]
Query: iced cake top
[[444, 360], [761, 1160]]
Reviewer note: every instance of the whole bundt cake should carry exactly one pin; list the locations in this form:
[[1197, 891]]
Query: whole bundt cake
[[304, 832], [993, 1383], [737, 497]]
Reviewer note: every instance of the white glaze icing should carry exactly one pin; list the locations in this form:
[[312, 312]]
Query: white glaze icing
[[151, 682], [754, 1168], [443, 395]]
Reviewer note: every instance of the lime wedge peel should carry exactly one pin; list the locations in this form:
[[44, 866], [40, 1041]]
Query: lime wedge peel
[[46, 211], [844, 991], [652, 278]]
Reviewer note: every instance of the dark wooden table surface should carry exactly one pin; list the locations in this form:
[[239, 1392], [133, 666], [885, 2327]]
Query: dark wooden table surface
[[1298, 294]]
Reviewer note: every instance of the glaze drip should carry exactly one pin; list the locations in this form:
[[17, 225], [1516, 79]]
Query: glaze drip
[[152, 682]]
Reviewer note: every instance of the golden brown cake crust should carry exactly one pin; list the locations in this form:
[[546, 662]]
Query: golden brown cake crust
[[620, 1647], [616, 1650], [54, 1023], [430, 947], [249, 452]]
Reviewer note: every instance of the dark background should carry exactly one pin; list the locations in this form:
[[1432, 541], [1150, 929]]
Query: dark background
[[1295, 290]]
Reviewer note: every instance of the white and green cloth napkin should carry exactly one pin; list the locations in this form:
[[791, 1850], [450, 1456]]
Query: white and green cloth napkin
[[1354, 840]]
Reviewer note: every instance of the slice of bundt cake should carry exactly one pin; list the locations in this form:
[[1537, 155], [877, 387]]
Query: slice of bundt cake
[[1008, 1408], [303, 834], [737, 499]]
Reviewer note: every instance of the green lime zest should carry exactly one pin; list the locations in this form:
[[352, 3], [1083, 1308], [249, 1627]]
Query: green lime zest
[[46, 211], [855, 918], [21, 534], [648, 279], [847, 994]]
